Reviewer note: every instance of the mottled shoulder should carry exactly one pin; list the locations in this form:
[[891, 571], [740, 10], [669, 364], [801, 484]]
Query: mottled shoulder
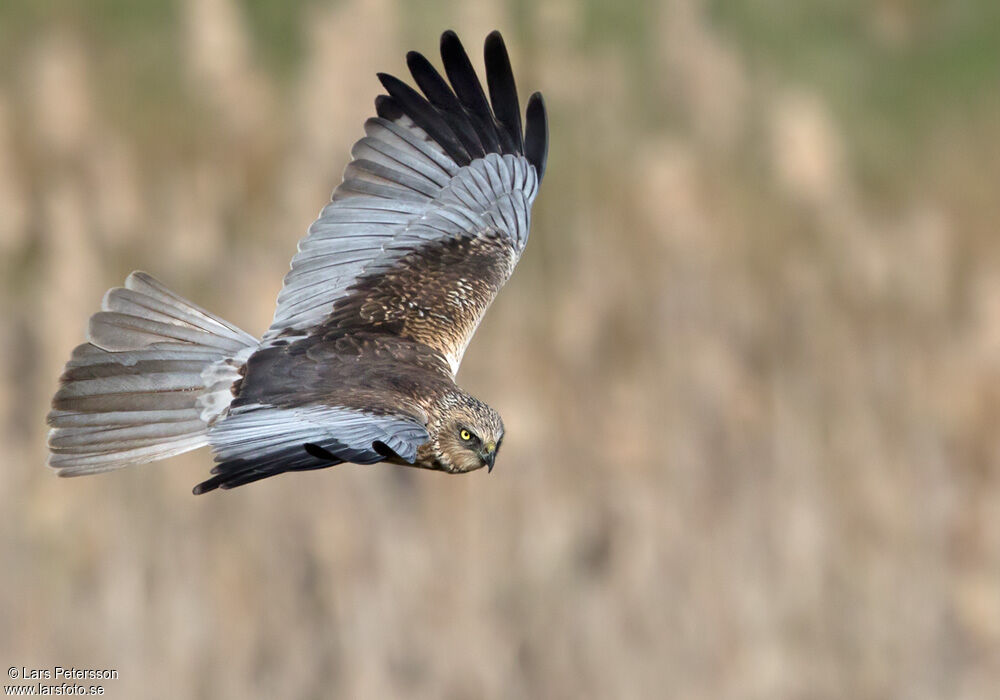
[[436, 295]]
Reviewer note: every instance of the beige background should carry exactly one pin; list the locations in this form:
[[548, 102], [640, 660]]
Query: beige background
[[749, 365]]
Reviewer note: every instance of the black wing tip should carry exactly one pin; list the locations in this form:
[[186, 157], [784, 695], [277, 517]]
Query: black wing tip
[[319, 452], [450, 41], [494, 41], [387, 108], [426, 116], [383, 450], [204, 487], [503, 90], [233, 474], [416, 61], [496, 124], [387, 79], [454, 55], [536, 134]]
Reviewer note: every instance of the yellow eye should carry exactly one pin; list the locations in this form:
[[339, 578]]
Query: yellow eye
[[465, 434]]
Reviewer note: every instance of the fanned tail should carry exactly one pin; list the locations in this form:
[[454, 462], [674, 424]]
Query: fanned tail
[[156, 372]]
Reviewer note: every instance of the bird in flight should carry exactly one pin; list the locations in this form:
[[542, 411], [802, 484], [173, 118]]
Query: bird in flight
[[383, 296]]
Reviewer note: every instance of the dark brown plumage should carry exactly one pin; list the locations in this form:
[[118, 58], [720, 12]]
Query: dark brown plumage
[[381, 301]]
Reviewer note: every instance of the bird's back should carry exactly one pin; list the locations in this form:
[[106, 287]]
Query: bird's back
[[355, 369]]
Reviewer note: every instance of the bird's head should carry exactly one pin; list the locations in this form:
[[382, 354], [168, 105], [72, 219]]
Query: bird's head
[[467, 436]]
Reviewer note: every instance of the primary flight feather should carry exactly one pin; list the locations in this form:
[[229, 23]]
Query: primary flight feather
[[383, 296]]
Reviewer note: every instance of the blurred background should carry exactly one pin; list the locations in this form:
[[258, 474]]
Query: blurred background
[[749, 364]]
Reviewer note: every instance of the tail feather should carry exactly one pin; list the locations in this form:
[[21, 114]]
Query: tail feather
[[156, 372], [69, 464], [147, 292], [72, 419], [123, 437]]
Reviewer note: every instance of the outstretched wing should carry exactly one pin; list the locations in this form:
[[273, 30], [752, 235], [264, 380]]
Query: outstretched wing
[[433, 212]]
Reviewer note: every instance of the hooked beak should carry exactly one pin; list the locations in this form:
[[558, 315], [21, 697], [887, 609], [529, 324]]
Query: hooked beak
[[489, 456]]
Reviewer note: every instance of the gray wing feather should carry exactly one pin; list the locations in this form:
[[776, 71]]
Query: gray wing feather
[[397, 204], [254, 430]]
